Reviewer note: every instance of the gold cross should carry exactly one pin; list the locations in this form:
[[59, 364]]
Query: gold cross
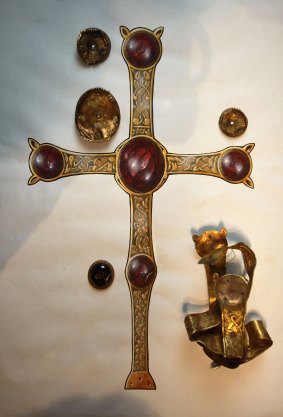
[[141, 165]]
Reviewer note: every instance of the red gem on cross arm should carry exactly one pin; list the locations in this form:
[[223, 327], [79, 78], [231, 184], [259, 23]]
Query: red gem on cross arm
[[47, 162], [235, 165]]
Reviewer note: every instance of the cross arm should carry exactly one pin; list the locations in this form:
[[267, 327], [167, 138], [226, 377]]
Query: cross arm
[[232, 164], [140, 274], [141, 62], [48, 162]]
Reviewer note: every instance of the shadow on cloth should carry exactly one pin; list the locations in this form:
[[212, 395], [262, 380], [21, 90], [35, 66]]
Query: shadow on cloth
[[115, 405]]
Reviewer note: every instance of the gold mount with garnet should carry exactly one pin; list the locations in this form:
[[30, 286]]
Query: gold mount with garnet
[[141, 165]]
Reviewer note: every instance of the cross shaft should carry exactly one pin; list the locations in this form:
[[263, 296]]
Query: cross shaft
[[141, 165]]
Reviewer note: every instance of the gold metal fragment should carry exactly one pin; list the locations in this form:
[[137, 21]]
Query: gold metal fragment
[[97, 115], [222, 331]]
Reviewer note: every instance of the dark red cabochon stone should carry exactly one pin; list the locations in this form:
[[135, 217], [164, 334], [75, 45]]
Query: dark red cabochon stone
[[142, 49], [141, 165], [47, 162], [101, 274], [141, 271], [235, 165]]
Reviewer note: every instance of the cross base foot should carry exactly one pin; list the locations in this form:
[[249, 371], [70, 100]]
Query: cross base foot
[[140, 380]]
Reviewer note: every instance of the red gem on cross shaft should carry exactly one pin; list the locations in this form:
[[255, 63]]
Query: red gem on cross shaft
[[141, 271], [141, 165]]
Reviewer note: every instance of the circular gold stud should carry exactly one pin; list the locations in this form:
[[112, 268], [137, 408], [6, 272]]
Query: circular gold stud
[[233, 122], [97, 115], [93, 46]]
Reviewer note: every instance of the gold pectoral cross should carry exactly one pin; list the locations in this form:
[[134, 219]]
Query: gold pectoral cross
[[141, 165]]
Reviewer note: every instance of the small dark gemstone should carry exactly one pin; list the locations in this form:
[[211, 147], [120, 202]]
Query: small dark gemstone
[[141, 165], [47, 162], [93, 46], [142, 49], [101, 274], [233, 122], [141, 271], [235, 165]]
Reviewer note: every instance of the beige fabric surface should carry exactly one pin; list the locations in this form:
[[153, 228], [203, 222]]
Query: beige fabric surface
[[65, 349]]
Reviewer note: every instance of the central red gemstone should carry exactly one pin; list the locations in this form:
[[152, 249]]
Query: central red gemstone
[[141, 165], [142, 49]]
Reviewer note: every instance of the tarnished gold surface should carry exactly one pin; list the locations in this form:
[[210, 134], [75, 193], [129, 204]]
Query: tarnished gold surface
[[142, 91], [141, 125], [93, 46], [212, 242], [97, 115], [222, 331], [232, 294], [141, 241], [233, 122]]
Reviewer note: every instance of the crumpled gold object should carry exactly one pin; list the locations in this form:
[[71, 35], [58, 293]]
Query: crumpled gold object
[[97, 115], [222, 331]]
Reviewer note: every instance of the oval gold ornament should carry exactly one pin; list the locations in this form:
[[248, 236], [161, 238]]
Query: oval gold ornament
[[97, 115]]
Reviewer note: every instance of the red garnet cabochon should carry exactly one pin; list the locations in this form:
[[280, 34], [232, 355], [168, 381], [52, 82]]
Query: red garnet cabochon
[[47, 162], [141, 165], [101, 274], [235, 165], [142, 49], [141, 271]]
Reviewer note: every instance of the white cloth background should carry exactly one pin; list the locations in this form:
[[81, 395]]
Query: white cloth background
[[65, 348]]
